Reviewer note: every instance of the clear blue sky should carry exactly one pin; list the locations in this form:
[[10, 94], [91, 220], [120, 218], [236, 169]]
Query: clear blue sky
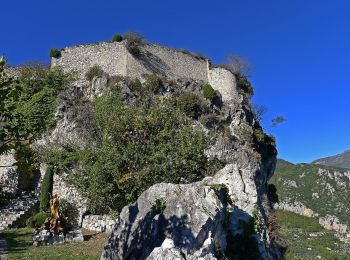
[[299, 50]]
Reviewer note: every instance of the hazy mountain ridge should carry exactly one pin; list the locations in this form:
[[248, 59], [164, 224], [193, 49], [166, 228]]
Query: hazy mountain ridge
[[340, 160]]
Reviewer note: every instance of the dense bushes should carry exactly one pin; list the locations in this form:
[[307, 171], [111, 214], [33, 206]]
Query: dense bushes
[[36, 104], [141, 145], [94, 71], [37, 220], [190, 104], [46, 189], [133, 42], [153, 84], [244, 85], [69, 211], [208, 92], [4, 197], [55, 53], [117, 38]]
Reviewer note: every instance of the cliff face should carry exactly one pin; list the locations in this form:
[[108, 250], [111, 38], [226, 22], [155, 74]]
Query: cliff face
[[223, 215]]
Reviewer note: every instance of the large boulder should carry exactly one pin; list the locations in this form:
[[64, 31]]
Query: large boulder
[[188, 221]]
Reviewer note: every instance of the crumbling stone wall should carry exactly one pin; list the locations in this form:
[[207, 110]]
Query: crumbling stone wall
[[115, 59], [111, 57], [8, 173], [99, 223], [70, 194]]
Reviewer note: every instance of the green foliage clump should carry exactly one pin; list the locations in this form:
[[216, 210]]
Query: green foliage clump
[[208, 92], [159, 206], [141, 145], [55, 53], [46, 189], [5, 197], [37, 220], [9, 94], [60, 159], [133, 42], [244, 85], [135, 85], [37, 102], [69, 211], [153, 84], [94, 71], [117, 38], [190, 103]]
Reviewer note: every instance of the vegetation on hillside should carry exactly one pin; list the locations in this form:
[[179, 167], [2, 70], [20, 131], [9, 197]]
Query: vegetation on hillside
[[315, 186], [306, 239], [141, 145]]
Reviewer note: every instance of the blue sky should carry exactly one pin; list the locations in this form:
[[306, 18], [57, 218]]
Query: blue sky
[[299, 51]]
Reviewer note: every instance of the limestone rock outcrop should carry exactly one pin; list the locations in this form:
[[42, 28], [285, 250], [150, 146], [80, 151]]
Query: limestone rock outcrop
[[192, 222]]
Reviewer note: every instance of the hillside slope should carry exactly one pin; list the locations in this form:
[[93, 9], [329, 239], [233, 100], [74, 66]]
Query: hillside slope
[[340, 160], [324, 190]]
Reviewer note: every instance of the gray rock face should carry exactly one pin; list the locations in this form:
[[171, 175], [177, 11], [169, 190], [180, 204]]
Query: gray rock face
[[191, 223], [8, 173]]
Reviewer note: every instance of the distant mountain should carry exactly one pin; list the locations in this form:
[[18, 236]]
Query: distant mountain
[[340, 160]]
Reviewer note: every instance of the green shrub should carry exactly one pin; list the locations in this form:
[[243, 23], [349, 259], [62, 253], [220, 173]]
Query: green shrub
[[190, 104], [141, 145], [208, 92], [159, 206], [46, 189], [55, 53], [244, 85], [153, 84], [37, 103], [37, 220], [94, 71], [117, 38], [70, 211], [5, 197], [133, 42], [61, 159], [135, 85]]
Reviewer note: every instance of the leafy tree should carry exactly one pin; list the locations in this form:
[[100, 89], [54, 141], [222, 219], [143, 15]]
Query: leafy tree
[[278, 120], [10, 91]]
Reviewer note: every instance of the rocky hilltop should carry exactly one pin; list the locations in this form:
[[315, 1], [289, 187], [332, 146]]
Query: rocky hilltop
[[164, 143], [341, 160]]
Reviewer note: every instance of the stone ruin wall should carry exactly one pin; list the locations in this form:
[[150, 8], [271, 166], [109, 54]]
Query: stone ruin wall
[[114, 59], [8, 173], [70, 194]]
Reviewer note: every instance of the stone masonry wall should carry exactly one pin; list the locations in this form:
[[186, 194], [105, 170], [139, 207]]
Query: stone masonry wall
[[100, 223], [8, 173], [114, 59], [168, 62], [111, 57], [70, 194], [223, 81]]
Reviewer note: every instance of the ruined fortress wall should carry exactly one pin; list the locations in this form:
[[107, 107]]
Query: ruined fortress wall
[[172, 63], [115, 59], [111, 57], [223, 81]]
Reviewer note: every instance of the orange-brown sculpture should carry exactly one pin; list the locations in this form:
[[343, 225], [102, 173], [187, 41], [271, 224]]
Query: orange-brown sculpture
[[56, 223]]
